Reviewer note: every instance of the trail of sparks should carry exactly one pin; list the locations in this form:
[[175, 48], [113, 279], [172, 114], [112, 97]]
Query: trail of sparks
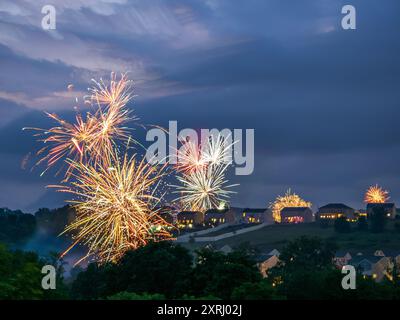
[[376, 194], [288, 200], [89, 137], [115, 204], [114, 197]]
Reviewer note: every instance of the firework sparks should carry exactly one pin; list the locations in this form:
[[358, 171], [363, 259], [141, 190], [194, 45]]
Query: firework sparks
[[190, 158], [215, 150], [89, 138], [288, 200], [116, 95], [114, 206], [204, 188], [376, 194], [202, 170]]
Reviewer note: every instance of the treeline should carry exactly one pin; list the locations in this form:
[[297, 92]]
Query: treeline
[[168, 271], [17, 227], [21, 277]]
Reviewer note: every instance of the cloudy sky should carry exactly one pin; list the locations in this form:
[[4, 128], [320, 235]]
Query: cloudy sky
[[324, 102]]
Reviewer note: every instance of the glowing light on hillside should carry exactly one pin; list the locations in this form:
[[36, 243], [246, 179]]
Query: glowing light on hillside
[[288, 200]]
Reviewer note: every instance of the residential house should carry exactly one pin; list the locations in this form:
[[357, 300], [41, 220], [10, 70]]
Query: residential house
[[361, 213], [296, 215], [215, 217], [189, 219], [333, 211], [168, 213], [389, 209], [266, 262], [251, 215], [225, 249], [372, 266], [342, 258]]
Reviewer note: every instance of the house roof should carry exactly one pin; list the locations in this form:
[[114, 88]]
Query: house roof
[[188, 213], [213, 211], [341, 253], [380, 205], [370, 258], [294, 209], [263, 257], [336, 206], [226, 249], [253, 210]]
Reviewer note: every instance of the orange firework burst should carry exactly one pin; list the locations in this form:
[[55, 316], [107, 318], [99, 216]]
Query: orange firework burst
[[376, 194], [288, 200], [115, 206], [89, 138]]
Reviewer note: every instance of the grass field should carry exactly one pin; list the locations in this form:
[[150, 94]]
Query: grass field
[[276, 236]]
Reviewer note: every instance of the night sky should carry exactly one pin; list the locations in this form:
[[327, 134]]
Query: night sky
[[324, 102]]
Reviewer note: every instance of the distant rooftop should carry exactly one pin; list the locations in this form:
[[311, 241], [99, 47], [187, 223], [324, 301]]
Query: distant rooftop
[[210, 211], [293, 209], [371, 258], [188, 213], [380, 205], [255, 210], [336, 205]]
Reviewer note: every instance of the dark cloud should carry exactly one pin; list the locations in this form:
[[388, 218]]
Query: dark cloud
[[324, 102]]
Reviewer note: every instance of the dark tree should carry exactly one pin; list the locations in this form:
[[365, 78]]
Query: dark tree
[[378, 220], [304, 265], [342, 225], [262, 290], [362, 224], [16, 226], [162, 268], [20, 276], [217, 274]]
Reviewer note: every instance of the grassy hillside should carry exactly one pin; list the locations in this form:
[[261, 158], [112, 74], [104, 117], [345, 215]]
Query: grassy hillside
[[276, 236]]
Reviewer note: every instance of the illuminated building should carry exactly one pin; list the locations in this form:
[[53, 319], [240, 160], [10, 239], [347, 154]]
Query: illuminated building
[[189, 219], [251, 215], [296, 215], [168, 213], [372, 266], [266, 262], [361, 213], [389, 209], [342, 258], [333, 211], [215, 217]]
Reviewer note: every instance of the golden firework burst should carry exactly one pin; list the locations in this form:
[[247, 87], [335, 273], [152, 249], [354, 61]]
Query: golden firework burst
[[376, 194], [288, 200], [115, 203]]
